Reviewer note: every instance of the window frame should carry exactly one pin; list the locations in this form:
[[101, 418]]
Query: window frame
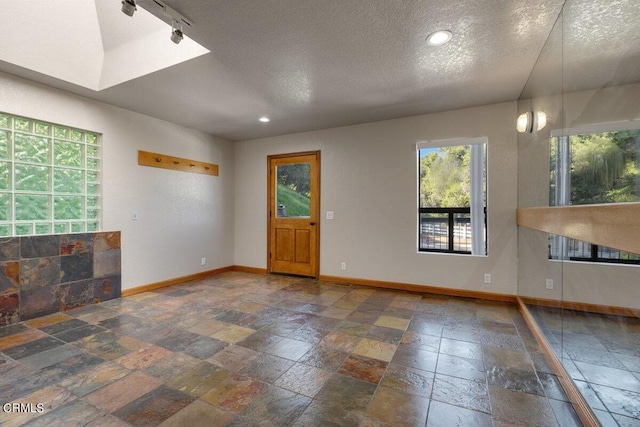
[[479, 197]]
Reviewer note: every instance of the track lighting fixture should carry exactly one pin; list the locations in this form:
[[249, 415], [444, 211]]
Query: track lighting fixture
[[176, 32], [128, 7]]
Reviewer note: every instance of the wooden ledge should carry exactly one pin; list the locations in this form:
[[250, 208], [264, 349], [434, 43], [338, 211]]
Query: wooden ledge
[[613, 225]]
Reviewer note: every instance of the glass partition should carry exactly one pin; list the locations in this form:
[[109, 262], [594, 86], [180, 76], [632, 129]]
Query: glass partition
[[585, 150]]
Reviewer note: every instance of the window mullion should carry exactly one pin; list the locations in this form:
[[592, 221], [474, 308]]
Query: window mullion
[[477, 199], [563, 197], [450, 230]]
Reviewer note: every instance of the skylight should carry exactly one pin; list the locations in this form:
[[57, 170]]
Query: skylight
[[90, 43]]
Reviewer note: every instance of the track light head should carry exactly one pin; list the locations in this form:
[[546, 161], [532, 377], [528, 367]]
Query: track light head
[[128, 7], [176, 32]]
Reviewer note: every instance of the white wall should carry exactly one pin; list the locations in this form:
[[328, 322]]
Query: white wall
[[369, 179], [183, 217]]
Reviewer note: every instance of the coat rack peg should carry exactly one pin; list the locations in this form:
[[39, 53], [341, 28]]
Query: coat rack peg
[[163, 161]]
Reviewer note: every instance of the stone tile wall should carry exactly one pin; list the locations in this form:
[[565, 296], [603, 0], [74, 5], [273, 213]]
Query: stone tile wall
[[40, 275]]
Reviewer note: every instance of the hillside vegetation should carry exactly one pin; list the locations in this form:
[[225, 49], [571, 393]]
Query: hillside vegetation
[[296, 204]]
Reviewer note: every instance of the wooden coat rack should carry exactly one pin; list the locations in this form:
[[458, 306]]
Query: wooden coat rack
[[155, 160]]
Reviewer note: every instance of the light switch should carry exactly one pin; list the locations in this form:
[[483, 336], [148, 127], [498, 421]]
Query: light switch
[[134, 215], [329, 215]]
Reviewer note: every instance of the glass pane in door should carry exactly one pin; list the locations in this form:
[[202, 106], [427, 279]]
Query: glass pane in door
[[293, 190]]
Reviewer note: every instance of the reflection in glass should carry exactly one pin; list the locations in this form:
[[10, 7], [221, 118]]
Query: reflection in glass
[[590, 168], [594, 168], [587, 80]]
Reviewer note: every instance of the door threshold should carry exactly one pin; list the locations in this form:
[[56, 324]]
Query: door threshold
[[275, 273]]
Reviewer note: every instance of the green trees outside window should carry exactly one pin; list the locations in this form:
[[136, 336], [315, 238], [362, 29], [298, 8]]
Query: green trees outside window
[[603, 167], [452, 197]]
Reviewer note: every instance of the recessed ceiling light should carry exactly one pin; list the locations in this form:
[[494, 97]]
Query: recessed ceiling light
[[264, 119], [439, 37]]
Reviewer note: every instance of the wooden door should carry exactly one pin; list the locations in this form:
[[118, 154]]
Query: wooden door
[[293, 214]]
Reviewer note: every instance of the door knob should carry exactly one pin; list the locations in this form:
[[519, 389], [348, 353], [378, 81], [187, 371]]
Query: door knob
[[312, 223]]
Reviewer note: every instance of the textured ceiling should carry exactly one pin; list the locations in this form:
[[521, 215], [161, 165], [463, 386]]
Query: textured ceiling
[[311, 64]]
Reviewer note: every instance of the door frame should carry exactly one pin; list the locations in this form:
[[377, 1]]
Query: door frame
[[316, 273]]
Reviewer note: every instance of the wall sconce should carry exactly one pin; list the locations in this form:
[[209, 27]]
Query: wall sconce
[[530, 121]]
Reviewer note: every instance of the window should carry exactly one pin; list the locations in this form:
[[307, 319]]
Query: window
[[293, 191], [49, 178], [593, 166], [452, 196]]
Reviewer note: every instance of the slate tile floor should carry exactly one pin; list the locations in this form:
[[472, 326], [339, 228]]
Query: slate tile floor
[[247, 350], [602, 355]]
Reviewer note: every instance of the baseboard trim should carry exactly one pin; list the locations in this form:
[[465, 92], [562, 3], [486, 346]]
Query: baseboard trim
[[254, 270], [422, 289], [579, 306], [175, 281], [575, 397], [569, 305]]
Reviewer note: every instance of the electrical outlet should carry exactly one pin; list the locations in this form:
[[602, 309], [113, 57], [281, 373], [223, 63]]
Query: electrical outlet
[[203, 261], [343, 266], [487, 278], [549, 283]]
